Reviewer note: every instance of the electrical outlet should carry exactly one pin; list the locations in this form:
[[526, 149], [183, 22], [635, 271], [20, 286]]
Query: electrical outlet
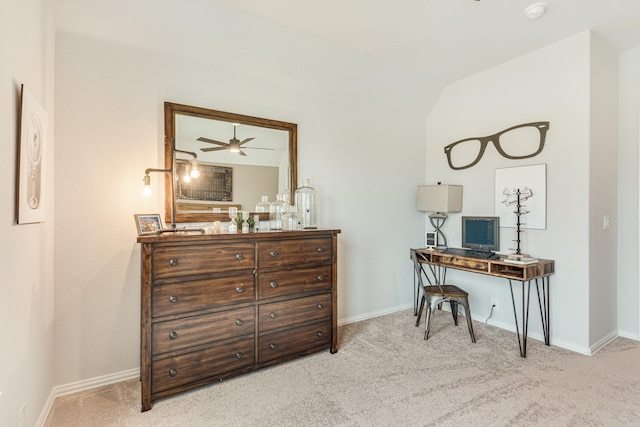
[[21, 416], [495, 303]]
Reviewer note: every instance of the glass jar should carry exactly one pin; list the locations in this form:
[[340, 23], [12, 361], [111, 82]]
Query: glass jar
[[277, 208], [290, 219], [306, 205], [264, 206]]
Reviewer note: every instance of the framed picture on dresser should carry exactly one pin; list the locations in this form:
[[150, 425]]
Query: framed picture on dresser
[[148, 223]]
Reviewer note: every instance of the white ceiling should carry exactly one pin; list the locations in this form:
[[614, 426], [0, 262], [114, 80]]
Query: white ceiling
[[446, 39]]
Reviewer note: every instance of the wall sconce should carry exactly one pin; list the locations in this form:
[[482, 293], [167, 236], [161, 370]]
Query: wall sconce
[[440, 200], [193, 173]]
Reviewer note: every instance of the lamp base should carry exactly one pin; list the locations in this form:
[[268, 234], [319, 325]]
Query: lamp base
[[438, 220]]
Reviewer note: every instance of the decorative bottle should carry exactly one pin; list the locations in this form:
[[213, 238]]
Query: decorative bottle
[[306, 205], [290, 219], [264, 206], [277, 208]]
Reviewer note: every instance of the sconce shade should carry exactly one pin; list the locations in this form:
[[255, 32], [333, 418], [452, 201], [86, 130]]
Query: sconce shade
[[440, 198]]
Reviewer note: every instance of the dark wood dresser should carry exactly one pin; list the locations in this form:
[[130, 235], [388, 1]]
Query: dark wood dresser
[[216, 306]]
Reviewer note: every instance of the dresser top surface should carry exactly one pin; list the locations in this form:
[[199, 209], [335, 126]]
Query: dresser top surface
[[192, 236]]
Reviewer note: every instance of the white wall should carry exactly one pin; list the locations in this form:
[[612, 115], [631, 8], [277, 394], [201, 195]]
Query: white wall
[[550, 84], [26, 251], [629, 140], [361, 142], [602, 193]]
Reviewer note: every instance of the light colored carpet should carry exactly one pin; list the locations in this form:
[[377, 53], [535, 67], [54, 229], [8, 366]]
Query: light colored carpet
[[385, 374]]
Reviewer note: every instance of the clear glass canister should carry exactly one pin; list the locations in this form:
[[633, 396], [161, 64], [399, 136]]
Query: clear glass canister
[[263, 205], [277, 208], [306, 205], [290, 219]]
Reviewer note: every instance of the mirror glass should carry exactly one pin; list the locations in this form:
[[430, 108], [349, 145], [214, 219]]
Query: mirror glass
[[265, 164]]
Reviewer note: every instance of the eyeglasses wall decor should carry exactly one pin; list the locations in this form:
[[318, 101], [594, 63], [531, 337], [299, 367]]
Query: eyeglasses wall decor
[[517, 142]]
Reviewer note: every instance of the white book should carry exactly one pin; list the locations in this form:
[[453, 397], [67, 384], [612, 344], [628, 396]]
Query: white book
[[521, 261]]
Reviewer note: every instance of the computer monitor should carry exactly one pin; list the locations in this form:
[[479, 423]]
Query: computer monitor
[[481, 233]]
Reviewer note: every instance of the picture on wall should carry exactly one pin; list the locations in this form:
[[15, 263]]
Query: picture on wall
[[32, 147], [531, 183]]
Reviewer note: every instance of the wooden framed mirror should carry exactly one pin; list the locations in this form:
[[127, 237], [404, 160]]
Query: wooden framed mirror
[[266, 163]]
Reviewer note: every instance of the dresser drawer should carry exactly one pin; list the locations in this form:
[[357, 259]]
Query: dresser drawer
[[293, 252], [174, 335], [223, 357], [293, 312], [189, 260], [201, 294], [298, 340], [282, 282]]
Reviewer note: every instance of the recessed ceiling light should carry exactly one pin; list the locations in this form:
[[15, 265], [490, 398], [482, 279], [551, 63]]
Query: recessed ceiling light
[[536, 10]]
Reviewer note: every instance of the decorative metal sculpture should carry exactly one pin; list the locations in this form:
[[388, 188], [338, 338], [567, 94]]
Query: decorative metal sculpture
[[516, 197]]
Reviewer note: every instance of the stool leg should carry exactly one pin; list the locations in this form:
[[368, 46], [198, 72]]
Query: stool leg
[[420, 310], [467, 312], [454, 311], [427, 319]]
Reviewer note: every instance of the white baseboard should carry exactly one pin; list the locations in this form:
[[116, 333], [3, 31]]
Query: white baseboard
[[78, 386], [628, 334], [373, 314]]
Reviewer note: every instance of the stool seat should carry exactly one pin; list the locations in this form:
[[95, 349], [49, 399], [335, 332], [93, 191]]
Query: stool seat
[[451, 290]]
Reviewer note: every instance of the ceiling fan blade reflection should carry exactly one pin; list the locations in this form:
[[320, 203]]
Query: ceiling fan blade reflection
[[213, 149], [211, 141]]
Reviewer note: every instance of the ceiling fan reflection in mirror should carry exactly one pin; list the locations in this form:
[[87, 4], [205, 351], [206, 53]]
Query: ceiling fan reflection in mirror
[[234, 145]]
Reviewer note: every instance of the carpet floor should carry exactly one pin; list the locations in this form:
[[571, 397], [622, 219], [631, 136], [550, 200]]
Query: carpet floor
[[385, 374]]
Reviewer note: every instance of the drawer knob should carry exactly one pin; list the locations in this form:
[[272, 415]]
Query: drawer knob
[[273, 284], [173, 299], [272, 346], [173, 335], [320, 334], [173, 261], [239, 322], [273, 253], [320, 249], [173, 372], [320, 277], [238, 355], [273, 315], [239, 256], [239, 289], [319, 306]]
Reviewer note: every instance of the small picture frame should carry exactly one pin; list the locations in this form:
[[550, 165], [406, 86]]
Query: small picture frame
[[148, 223]]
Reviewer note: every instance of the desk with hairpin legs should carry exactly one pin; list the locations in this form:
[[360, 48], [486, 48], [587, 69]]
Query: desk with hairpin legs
[[524, 273]]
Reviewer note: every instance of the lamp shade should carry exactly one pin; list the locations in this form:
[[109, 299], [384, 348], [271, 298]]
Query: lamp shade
[[440, 198]]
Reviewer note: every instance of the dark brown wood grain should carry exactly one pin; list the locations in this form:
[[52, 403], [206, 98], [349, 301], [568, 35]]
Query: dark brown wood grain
[[174, 335], [217, 306], [295, 340]]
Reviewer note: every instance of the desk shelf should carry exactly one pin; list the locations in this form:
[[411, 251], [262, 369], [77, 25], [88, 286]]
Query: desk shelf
[[493, 267]]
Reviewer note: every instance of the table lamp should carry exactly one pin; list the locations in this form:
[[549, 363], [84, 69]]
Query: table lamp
[[439, 200]]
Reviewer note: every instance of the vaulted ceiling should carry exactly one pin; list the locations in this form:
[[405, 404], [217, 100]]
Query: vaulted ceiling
[[445, 39]]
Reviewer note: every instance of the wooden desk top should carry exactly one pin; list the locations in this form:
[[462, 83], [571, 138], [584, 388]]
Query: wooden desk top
[[491, 267]]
